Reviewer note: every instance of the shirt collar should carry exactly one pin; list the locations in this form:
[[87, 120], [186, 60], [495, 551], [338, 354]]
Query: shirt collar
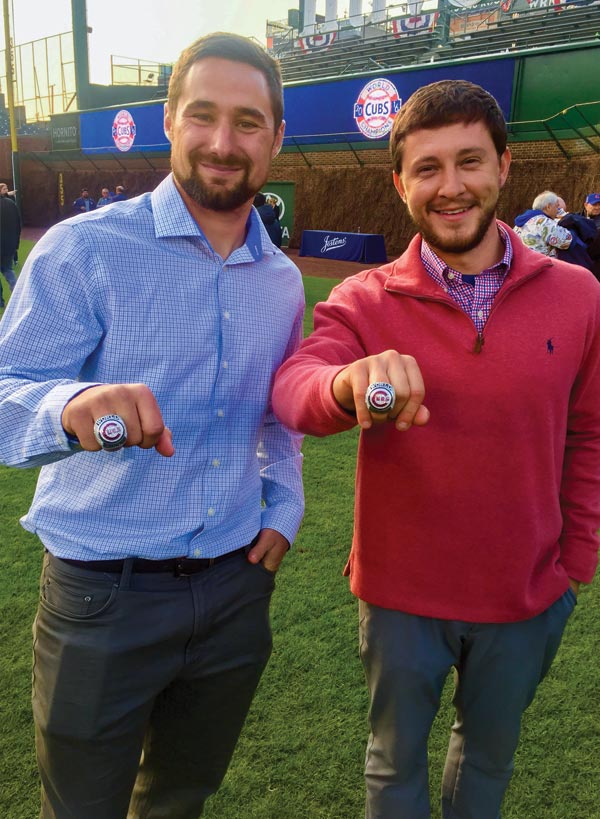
[[439, 269], [173, 219]]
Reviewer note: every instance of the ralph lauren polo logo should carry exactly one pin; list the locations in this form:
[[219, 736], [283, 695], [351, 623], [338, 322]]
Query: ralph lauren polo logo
[[550, 346]]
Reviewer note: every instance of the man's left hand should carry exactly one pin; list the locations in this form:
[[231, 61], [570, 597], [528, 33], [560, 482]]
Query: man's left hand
[[269, 549], [574, 585]]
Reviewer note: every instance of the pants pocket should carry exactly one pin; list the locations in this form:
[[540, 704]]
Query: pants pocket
[[73, 597]]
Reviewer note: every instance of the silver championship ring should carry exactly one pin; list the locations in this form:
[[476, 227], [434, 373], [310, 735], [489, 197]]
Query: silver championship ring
[[380, 397], [110, 432]]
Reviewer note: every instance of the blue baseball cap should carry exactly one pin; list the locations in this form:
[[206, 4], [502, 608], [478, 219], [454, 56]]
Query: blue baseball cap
[[592, 199]]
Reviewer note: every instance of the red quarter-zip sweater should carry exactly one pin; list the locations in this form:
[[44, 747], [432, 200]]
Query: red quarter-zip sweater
[[484, 513]]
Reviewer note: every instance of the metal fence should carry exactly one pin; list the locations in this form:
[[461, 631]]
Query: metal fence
[[45, 77]]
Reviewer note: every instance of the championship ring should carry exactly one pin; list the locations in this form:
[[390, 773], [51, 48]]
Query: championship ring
[[380, 397], [110, 432]]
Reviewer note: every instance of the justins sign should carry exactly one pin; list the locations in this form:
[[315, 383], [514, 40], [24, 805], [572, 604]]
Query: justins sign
[[376, 107], [332, 244], [123, 130]]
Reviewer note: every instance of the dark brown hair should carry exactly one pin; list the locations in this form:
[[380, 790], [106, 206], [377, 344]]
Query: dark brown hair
[[446, 103], [228, 47]]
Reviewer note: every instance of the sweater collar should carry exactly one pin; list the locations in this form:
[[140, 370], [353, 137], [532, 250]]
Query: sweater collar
[[408, 275]]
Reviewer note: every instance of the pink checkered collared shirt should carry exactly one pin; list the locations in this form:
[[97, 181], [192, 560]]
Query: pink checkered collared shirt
[[473, 294]]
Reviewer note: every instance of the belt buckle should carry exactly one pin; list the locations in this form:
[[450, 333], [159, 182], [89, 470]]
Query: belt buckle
[[179, 570], [180, 566]]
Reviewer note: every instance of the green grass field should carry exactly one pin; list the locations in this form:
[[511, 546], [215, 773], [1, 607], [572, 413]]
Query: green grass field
[[300, 755]]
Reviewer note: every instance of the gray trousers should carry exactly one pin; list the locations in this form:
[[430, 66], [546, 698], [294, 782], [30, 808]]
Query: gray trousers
[[497, 670], [141, 685]]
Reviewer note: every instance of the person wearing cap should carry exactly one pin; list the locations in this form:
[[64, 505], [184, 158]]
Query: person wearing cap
[[478, 489], [538, 227], [591, 208], [84, 203], [136, 362], [583, 233]]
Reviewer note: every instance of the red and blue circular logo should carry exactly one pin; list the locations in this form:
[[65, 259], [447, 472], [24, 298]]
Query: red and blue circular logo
[[123, 130], [380, 397], [376, 108]]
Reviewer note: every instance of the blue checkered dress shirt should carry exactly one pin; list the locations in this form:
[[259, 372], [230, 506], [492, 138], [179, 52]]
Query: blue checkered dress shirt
[[133, 292]]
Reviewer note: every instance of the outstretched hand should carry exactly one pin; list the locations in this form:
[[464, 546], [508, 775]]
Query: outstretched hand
[[401, 371], [134, 403]]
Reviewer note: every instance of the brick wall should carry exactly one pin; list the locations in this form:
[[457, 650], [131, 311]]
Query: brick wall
[[335, 192]]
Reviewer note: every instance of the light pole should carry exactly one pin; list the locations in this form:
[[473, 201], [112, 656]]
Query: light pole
[[10, 101]]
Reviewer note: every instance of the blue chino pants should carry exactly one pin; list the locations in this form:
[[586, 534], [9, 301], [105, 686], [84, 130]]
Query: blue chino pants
[[497, 670], [141, 685]]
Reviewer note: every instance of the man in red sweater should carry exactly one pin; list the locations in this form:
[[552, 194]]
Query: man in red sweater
[[477, 511]]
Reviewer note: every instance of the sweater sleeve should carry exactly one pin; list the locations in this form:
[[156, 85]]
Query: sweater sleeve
[[580, 487], [302, 396]]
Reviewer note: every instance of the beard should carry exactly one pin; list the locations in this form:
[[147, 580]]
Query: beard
[[216, 196], [460, 242]]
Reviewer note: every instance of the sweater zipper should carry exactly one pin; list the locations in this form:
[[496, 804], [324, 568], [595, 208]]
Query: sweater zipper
[[502, 294], [448, 300]]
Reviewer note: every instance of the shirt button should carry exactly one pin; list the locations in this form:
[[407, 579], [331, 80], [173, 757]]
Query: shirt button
[[210, 512], [197, 552], [220, 413], [216, 462], [450, 275], [225, 365], [227, 314], [480, 313]]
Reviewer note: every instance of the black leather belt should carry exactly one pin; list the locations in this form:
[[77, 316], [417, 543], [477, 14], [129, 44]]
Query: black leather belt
[[178, 566]]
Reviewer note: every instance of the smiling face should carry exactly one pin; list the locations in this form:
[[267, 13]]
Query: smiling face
[[222, 134], [450, 180]]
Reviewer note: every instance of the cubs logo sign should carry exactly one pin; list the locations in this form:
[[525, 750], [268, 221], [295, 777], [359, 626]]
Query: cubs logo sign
[[123, 131], [376, 107]]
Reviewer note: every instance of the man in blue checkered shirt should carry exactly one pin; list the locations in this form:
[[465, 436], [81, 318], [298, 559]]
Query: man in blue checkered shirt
[[171, 311]]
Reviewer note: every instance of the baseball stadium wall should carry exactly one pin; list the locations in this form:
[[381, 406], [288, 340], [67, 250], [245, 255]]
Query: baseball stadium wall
[[336, 139]]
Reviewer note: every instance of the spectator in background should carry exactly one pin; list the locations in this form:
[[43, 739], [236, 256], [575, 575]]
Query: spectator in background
[[84, 203], [105, 199], [591, 208], [10, 235], [271, 200], [583, 233], [538, 228], [269, 218], [119, 194], [5, 192]]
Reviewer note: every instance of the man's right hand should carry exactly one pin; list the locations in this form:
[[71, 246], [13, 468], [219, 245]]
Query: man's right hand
[[401, 371], [136, 405]]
